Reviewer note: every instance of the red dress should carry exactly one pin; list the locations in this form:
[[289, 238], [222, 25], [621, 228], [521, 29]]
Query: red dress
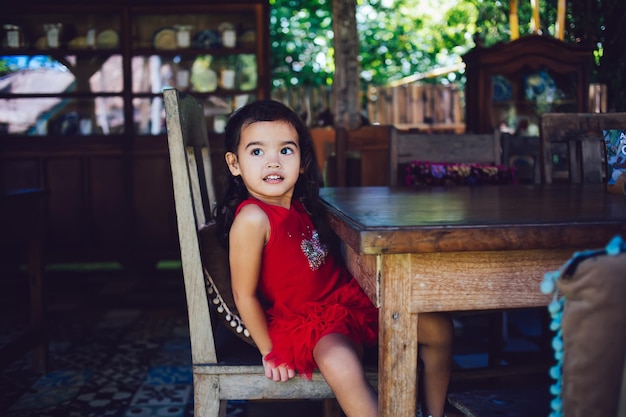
[[306, 294]]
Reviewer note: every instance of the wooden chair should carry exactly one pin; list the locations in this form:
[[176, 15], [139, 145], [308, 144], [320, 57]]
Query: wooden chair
[[579, 137], [369, 147], [469, 148], [522, 153], [207, 282]]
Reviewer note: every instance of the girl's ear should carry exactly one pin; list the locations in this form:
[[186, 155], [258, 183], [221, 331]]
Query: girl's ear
[[233, 165]]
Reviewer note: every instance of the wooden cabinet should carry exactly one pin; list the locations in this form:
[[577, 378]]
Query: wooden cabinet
[[81, 112], [509, 85]]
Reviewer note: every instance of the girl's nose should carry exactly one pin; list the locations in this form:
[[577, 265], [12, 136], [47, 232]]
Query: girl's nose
[[273, 161]]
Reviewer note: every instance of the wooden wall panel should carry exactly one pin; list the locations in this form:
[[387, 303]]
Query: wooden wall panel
[[154, 217], [20, 173], [109, 190], [67, 212]]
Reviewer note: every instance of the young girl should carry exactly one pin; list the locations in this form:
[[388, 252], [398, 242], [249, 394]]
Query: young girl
[[303, 309]]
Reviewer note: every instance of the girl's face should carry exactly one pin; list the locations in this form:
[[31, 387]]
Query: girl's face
[[268, 161]]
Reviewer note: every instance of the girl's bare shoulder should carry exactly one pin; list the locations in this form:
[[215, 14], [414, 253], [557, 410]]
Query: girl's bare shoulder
[[251, 218]]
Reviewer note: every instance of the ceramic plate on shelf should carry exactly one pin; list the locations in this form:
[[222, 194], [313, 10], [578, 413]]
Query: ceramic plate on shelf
[[79, 42], [164, 38], [206, 39], [248, 39], [107, 39]]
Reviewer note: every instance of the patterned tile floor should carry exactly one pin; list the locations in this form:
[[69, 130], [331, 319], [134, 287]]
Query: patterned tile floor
[[119, 347]]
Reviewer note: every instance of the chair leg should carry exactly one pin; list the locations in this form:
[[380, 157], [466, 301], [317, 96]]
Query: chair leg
[[331, 408], [206, 396], [223, 408]]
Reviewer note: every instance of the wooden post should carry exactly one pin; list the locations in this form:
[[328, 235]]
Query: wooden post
[[346, 81], [513, 19], [560, 20], [535, 25]]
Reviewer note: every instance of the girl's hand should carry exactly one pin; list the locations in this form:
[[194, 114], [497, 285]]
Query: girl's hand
[[277, 373]]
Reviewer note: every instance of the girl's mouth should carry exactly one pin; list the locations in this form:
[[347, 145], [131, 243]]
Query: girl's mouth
[[273, 178]]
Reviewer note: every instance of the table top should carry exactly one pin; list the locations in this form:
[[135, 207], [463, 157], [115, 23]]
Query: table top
[[375, 220]]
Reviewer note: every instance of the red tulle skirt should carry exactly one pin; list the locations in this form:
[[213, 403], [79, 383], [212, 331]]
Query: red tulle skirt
[[295, 333]]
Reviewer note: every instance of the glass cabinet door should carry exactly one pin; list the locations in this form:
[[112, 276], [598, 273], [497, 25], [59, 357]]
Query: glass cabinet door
[[212, 55], [519, 100], [61, 74]]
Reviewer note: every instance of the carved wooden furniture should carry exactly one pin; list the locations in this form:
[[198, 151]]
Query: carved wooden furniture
[[517, 81]]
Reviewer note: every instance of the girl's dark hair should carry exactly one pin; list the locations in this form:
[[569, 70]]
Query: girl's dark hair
[[308, 184]]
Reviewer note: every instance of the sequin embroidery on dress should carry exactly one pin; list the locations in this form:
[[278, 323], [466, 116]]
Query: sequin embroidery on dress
[[314, 250]]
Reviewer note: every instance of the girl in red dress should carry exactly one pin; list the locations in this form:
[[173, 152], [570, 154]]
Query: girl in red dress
[[298, 301]]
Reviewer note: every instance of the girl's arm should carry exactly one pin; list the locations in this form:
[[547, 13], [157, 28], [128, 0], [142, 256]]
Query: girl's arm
[[248, 234]]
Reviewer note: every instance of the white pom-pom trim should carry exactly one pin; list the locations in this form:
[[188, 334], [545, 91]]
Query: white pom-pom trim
[[222, 308]]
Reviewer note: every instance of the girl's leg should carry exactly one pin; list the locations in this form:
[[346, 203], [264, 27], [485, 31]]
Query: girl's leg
[[339, 360], [435, 333]]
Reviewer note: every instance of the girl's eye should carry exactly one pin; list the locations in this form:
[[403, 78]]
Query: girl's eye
[[257, 152], [286, 151]]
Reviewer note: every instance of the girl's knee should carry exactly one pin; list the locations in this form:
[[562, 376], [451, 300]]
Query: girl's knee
[[435, 329], [336, 352]]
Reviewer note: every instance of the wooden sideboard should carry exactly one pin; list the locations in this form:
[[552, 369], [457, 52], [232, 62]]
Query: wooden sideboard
[[100, 151]]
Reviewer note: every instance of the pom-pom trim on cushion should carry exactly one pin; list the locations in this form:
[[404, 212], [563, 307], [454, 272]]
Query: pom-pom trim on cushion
[[216, 272], [222, 308]]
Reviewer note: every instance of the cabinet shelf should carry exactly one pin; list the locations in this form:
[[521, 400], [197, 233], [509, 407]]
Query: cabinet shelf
[[68, 95], [192, 52], [126, 75], [62, 52]]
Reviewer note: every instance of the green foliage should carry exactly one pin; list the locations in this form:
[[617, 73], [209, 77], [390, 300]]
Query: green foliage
[[301, 33], [400, 38], [405, 37]]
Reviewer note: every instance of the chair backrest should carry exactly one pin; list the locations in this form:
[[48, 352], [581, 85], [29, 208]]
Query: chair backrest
[[578, 139], [204, 261], [370, 146], [522, 154], [466, 148]]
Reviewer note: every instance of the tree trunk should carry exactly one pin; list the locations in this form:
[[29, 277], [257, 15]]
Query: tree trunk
[[346, 80]]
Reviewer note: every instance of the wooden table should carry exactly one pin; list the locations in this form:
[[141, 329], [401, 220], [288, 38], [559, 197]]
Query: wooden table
[[463, 248], [22, 228]]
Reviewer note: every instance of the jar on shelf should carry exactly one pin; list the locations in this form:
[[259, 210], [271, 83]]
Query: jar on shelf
[[53, 32], [229, 35], [13, 36], [183, 35], [90, 37]]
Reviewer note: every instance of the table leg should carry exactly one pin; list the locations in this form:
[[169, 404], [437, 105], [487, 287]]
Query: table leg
[[397, 376]]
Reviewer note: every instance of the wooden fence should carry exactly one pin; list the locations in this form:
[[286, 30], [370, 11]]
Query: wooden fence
[[417, 106], [424, 107]]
